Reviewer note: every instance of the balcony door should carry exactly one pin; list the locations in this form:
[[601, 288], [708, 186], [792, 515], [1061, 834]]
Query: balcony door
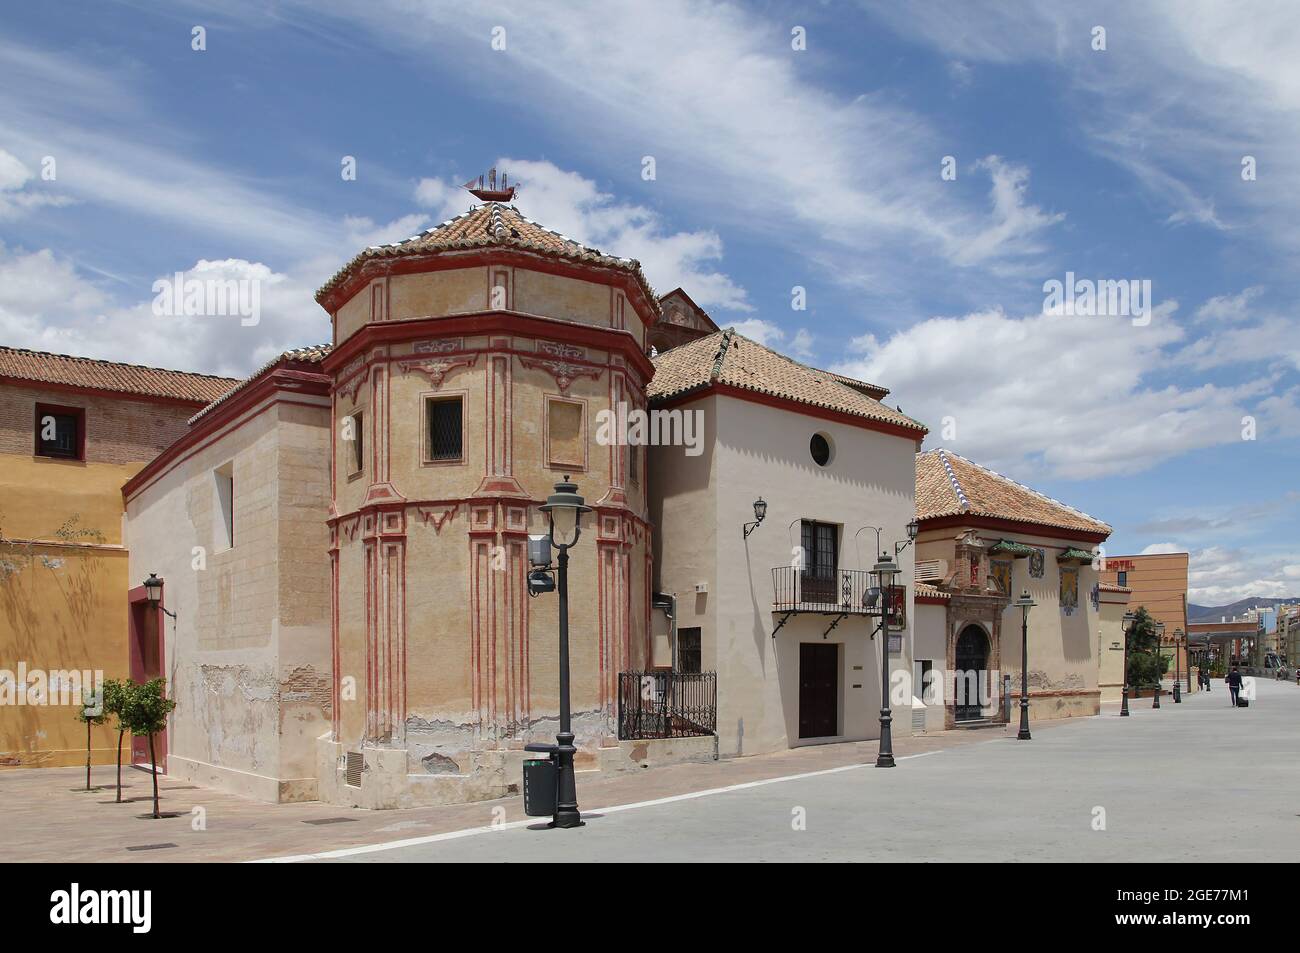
[[817, 579]]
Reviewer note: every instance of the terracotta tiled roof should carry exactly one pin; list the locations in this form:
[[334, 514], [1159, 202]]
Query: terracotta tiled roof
[[925, 590], [491, 225], [948, 484], [312, 354], [40, 367], [871, 390], [1111, 587], [730, 358]]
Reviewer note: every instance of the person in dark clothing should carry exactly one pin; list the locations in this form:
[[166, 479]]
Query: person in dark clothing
[[1234, 684]]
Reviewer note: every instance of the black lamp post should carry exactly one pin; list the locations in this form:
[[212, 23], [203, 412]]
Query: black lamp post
[[760, 513], [1160, 638], [1178, 672], [1025, 603], [886, 569], [153, 587], [564, 509], [1129, 618]]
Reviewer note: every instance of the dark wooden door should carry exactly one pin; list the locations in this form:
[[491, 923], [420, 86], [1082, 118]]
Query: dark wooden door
[[819, 674]]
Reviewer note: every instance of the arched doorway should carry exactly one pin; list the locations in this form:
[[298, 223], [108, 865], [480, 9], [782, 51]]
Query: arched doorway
[[970, 663]]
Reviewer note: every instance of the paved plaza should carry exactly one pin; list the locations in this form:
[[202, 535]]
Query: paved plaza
[[1198, 781]]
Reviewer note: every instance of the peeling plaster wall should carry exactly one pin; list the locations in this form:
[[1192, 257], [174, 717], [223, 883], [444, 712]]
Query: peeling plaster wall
[[248, 658]]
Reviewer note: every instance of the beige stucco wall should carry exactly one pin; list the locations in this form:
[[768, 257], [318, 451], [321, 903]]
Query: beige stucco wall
[[594, 300], [1110, 645], [248, 658], [758, 450], [1063, 665]]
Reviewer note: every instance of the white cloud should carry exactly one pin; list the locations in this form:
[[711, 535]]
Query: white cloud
[[769, 334], [1218, 575], [1061, 395], [1232, 308], [15, 198], [736, 124], [1157, 549]]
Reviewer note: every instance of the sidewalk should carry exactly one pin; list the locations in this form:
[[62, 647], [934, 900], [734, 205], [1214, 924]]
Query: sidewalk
[[48, 816]]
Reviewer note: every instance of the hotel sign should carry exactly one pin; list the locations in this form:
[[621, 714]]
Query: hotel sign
[[1118, 564]]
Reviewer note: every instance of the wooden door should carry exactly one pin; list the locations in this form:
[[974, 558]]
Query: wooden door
[[819, 675]]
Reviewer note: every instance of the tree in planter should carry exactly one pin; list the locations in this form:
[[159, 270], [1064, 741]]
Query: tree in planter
[[117, 693], [1146, 665], [145, 713], [91, 711]]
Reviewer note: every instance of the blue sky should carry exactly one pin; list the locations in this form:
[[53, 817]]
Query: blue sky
[[774, 168]]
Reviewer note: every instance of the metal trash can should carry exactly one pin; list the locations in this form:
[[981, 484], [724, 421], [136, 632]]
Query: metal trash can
[[539, 788]]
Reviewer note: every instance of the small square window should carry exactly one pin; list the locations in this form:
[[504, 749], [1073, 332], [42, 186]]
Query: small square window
[[445, 429], [60, 432], [355, 437]]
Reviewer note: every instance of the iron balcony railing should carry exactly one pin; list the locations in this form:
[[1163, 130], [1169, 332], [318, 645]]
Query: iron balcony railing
[[843, 590], [667, 704]]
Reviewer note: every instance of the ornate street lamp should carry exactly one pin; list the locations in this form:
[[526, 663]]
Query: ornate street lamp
[[885, 569], [1129, 618], [1178, 698], [564, 509], [1025, 603], [760, 513], [153, 587]]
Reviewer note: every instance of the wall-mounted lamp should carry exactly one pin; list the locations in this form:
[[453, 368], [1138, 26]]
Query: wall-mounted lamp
[[153, 587], [760, 513]]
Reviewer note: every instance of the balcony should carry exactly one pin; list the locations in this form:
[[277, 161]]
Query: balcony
[[842, 593], [667, 704]]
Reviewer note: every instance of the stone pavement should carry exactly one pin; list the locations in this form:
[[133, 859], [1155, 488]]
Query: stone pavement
[[1193, 782], [1197, 781], [48, 816]]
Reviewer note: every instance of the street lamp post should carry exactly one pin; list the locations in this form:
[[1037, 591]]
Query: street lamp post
[[1160, 642], [1129, 618], [1025, 603], [1178, 672], [885, 569], [564, 509]]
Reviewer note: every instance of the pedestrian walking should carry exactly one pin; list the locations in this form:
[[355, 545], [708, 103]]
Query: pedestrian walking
[[1234, 684]]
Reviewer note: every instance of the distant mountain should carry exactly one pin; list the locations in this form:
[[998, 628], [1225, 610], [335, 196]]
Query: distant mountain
[[1197, 613]]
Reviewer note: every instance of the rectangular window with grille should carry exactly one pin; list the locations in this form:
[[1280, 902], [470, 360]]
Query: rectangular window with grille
[[60, 432], [445, 429], [820, 557], [688, 650]]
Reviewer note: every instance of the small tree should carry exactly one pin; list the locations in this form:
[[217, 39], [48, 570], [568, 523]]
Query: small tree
[[145, 713], [116, 697], [1146, 665], [91, 711]]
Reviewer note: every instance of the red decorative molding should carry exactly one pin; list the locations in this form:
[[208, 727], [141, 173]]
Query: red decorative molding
[[429, 517], [435, 369], [563, 372]]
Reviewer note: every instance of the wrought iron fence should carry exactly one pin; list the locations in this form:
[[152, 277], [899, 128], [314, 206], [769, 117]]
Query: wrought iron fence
[[844, 590], [667, 704]]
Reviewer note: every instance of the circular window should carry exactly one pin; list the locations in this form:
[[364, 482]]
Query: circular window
[[820, 448]]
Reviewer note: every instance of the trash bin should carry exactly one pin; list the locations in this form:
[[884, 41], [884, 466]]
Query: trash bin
[[539, 788]]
